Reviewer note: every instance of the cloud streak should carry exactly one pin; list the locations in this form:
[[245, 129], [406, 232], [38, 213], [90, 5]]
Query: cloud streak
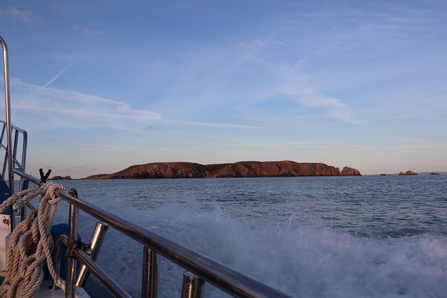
[[24, 16], [211, 124], [280, 43], [78, 110], [243, 45], [88, 31], [307, 95], [74, 109]]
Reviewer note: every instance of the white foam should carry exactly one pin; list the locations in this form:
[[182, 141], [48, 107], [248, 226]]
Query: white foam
[[308, 260]]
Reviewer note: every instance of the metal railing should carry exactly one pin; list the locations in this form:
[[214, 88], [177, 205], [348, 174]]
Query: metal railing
[[7, 114], [199, 268], [19, 145], [11, 162]]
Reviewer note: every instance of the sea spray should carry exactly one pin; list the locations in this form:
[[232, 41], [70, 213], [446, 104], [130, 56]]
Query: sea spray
[[309, 260]]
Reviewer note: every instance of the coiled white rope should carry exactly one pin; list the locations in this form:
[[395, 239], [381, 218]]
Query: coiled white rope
[[30, 245]]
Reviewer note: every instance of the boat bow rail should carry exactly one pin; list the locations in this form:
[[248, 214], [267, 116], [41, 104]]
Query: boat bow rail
[[199, 268]]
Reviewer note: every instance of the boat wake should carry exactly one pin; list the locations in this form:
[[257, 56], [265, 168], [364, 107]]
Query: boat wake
[[309, 260]]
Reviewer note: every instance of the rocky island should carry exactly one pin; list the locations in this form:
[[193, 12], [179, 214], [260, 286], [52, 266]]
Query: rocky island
[[408, 173], [227, 170], [60, 178]]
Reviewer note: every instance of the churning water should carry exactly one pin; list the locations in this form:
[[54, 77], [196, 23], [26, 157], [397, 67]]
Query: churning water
[[309, 236]]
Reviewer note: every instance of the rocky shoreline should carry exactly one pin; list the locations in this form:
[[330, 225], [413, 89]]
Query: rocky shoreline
[[162, 170]]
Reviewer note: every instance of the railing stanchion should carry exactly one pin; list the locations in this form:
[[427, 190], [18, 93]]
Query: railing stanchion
[[192, 286], [72, 243], [94, 246], [150, 272]]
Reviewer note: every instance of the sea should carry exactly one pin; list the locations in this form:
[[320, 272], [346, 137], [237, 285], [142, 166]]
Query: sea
[[368, 236]]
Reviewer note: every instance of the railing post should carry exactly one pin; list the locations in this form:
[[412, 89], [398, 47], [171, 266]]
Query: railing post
[[8, 119], [14, 147], [192, 286], [94, 246], [150, 273], [71, 260], [8, 128]]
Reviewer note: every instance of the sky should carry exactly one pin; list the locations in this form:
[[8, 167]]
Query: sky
[[102, 85]]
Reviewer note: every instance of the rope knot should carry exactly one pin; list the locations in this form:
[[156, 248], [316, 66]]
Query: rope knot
[[51, 188]]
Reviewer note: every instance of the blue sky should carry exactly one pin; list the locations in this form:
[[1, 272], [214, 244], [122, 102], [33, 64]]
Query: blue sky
[[102, 85]]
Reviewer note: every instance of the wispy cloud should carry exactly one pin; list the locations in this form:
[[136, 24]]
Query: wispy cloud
[[259, 43], [237, 89], [246, 45], [24, 16], [75, 109], [279, 42], [243, 45], [211, 124], [298, 88], [58, 108], [88, 31]]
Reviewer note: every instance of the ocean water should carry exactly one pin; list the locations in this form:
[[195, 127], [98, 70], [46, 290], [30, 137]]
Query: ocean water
[[306, 236]]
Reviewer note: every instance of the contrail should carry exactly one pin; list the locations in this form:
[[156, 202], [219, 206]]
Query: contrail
[[51, 81], [55, 77], [62, 71]]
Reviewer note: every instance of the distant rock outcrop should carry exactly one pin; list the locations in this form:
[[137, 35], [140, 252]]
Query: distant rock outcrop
[[228, 170], [408, 173], [61, 178], [347, 171]]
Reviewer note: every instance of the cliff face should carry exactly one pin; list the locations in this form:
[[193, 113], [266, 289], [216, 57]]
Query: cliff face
[[162, 170], [239, 169], [273, 169]]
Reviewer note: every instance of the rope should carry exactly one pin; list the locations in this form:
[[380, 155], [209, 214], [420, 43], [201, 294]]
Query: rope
[[30, 244]]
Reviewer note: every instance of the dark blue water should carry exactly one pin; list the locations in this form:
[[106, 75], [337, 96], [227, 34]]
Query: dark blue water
[[310, 236], [369, 206]]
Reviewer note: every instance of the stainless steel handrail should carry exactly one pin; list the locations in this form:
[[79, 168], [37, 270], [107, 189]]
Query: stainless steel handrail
[[217, 274], [9, 152], [18, 162], [100, 274], [8, 115], [93, 248], [213, 272]]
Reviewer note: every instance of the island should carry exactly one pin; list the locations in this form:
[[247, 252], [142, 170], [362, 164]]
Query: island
[[286, 168], [408, 173], [60, 178]]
